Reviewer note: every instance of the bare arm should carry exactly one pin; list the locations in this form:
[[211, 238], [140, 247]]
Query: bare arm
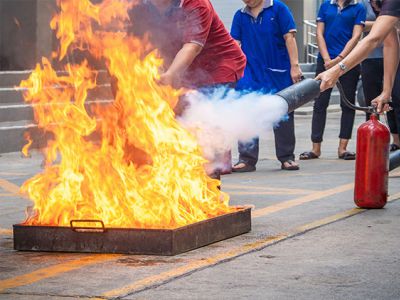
[[181, 62], [323, 49], [291, 46], [383, 26], [391, 62], [368, 26], [391, 56], [357, 31]]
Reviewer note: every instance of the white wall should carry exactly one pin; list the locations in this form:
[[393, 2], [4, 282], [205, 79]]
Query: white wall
[[226, 10]]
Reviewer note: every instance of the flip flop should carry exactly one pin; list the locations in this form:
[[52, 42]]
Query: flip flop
[[291, 167], [347, 155], [308, 155], [245, 168]]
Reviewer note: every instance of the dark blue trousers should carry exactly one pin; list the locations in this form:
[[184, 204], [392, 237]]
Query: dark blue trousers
[[372, 78], [349, 82], [394, 115], [285, 142]]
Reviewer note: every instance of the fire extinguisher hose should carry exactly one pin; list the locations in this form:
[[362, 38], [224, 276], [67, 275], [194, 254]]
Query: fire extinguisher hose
[[394, 157], [367, 109]]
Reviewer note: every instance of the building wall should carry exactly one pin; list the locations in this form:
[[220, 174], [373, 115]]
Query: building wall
[[25, 35], [226, 10]]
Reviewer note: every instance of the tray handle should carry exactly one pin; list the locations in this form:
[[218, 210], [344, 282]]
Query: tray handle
[[83, 228]]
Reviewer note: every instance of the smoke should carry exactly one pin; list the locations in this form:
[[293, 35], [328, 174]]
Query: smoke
[[223, 117]]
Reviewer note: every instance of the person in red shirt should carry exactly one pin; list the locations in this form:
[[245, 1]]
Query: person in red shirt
[[198, 50]]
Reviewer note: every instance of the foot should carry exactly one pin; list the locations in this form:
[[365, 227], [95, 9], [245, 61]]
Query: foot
[[308, 155], [242, 167], [347, 155], [290, 165]]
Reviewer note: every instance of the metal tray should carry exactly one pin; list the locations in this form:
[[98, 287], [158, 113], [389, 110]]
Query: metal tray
[[99, 239]]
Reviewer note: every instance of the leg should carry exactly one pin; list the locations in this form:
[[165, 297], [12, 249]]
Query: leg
[[285, 140], [372, 79], [349, 82], [393, 116], [319, 115], [248, 156], [395, 128]]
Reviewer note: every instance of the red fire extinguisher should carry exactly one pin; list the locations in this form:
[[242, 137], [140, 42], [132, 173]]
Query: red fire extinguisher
[[372, 164], [372, 161]]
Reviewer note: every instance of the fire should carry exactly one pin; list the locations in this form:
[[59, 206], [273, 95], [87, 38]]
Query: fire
[[25, 148], [128, 164]]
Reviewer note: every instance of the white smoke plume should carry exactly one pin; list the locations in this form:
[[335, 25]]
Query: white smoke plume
[[223, 117]]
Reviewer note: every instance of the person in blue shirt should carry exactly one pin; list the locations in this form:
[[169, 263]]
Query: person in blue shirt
[[340, 24], [265, 29]]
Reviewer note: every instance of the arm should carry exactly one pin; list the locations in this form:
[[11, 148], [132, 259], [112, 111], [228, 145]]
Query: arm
[[181, 62], [368, 26], [391, 62], [323, 49], [196, 28], [383, 26], [391, 56], [236, 28], [291, 46], [357, 31]]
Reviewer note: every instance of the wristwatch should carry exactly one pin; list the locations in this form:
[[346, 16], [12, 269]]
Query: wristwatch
[[342, 66]]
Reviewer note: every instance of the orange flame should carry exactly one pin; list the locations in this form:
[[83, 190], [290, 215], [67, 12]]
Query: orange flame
[[130, 164], [25, 148]]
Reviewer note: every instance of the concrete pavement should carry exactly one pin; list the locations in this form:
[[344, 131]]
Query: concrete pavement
[[307, 241]]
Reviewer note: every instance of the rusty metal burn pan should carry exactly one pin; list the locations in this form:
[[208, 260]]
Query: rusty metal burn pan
[[99, 239]]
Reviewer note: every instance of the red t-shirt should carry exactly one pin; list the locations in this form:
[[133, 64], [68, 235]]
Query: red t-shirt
[[221, 59]]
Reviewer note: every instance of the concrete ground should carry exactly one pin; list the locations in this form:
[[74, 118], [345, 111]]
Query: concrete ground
[[308, 241]]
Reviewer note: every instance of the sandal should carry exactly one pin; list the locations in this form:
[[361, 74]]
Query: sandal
[[394, 147], [291, 167], [347, 155], [308, 155], [245, 168]]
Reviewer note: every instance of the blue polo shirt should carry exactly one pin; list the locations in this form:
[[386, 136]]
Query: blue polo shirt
[[339, 23], [262, 41]]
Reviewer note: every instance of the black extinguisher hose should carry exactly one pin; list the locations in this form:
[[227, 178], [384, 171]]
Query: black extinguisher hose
[[367, 109], [394, 158]]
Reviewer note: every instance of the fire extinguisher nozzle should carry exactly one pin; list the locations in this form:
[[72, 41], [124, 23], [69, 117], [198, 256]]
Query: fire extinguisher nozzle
[[300, 93]]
